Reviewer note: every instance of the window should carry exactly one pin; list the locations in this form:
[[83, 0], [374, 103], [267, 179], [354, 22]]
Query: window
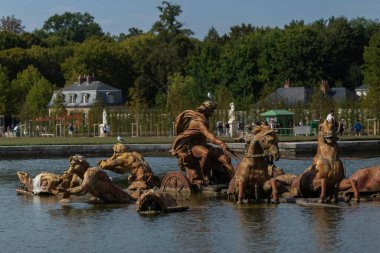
[[85, 98], [72, 98], [110, 97]]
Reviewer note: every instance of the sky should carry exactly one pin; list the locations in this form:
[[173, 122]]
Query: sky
[[117, 16]]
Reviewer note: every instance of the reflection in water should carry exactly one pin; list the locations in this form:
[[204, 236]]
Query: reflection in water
[[326, 227], [212, 223], [255, 225]]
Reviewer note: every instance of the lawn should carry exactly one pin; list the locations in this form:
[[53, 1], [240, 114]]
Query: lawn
[[28, 141]]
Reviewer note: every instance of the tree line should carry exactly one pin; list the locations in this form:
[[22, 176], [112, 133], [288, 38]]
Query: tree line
[[168, 68]]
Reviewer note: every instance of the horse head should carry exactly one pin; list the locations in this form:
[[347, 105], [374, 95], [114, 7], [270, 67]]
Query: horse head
[[268, 140], [327, 132]]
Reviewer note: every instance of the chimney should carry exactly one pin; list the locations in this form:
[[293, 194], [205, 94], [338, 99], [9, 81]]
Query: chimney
[[81, 79], [90, 79], [324, 87], [286, 84]]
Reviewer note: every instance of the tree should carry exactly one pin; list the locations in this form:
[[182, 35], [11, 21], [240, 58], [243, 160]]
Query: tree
[[59, 104], [168, 25], [21, 86], [154, 61], [204, 62], [372, 61], [239, 69], [96, 112], [337, 41], [241, 31], [49, 62], [371, 102], [223, 97], [10, 40], [371, 67], [37, 99], [107, 61], [72, 26], [11, 24], [321, 104], [5, 92], [297, 56], [177, 87], [137, 103], [133, 31]]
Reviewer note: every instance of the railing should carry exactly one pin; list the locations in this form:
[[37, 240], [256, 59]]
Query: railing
[[284, 131]]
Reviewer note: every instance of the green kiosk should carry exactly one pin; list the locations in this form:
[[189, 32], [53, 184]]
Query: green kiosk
[[282, 120]]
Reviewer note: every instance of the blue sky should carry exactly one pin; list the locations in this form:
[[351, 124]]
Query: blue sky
[[117, 16]]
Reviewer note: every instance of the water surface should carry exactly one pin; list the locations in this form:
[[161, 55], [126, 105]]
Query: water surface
[[212, 224]]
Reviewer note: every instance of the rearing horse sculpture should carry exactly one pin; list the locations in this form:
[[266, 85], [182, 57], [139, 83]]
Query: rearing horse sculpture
[[252, 174], [326, 173]]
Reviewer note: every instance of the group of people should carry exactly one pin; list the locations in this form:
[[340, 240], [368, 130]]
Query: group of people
[[223, 129], [356, 129]]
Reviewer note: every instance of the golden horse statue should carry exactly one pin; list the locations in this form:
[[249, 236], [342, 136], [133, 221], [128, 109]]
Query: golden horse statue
[[252, 173], [326, 173]]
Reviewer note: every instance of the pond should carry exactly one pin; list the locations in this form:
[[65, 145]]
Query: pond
[[212, 223]]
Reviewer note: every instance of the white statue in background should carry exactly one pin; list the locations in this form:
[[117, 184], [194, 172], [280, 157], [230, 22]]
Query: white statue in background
[[104, 117], [231, 113]]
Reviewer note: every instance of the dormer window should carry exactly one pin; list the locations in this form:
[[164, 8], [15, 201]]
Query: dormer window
[[110, 97], [85, 98], [72, 98]]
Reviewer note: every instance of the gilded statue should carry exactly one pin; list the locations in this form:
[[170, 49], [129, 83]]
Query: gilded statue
[[204, 163]]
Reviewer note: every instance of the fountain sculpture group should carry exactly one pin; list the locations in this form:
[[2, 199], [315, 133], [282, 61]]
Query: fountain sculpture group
[[205, 167]]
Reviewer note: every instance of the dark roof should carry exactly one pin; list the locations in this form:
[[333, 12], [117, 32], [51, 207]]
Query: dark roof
[[291, 95], [94, 85], [342, 94], [294, 95]]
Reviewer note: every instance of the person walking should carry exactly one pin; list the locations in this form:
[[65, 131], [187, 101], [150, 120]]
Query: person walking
[[341, 127], [71, 129], [330, 117], [219, 127], [227, 128]]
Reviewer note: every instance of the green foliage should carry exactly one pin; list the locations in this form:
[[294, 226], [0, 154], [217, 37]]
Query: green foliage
[[168, 25], [137, 102], [5, 102], [154, 60], [16, 60], [371, 102], [372, 61], [59, 108], [223, 97], [239, 69], [239, 31], [108, 62], [21, 86], [10, 40], [96, 112], [37, 99], [48, 61], [321, 104], [72, 26], [133, 31], [241, 66], [178, 86], [204, 63]]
